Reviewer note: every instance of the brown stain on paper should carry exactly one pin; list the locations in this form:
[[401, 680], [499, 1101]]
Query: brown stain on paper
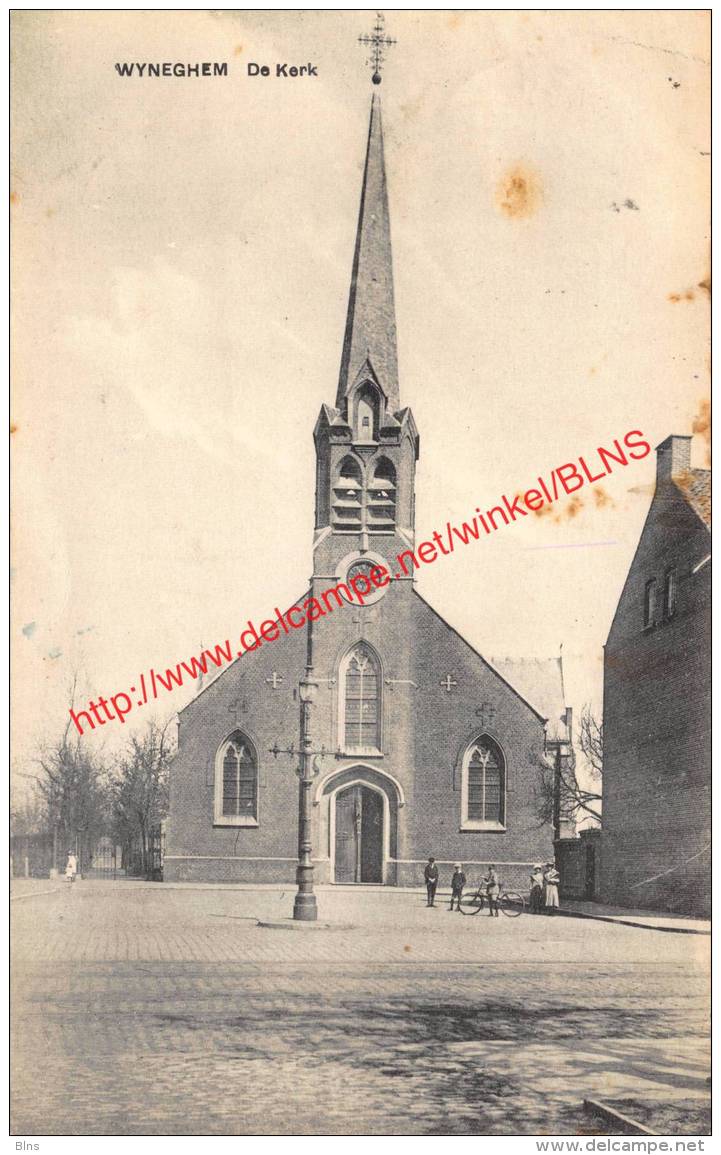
[[518, 193], [687, 295], [690, 294], [702, 426]]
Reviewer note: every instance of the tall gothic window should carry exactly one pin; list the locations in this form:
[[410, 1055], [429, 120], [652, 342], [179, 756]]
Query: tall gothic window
[[484, 786], [236, 782], [360, 701]]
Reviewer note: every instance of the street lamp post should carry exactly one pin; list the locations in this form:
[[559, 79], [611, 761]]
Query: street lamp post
[[305, 908]]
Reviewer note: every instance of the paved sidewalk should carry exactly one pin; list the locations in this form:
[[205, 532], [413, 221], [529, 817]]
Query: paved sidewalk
[[646, 919]]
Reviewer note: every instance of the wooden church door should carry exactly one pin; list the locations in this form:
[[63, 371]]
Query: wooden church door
[[358, 835]]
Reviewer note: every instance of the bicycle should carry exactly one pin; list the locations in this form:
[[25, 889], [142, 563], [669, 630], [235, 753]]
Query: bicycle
[[510, 902]]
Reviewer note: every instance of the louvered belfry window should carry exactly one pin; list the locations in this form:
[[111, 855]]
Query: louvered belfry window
[[240, 778]]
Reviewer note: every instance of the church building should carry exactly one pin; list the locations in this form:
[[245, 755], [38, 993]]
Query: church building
[[432, 749]]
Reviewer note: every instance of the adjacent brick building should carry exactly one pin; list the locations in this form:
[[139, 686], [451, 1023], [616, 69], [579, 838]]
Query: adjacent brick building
[[432, 750], [657, 703]]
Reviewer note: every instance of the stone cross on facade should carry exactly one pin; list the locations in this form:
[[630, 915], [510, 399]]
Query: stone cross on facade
[[487, 713], [275, 680], [447, 683], [237, 707]]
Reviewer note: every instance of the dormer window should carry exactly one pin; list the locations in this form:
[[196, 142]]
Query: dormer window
[[669, 593], [649, 604], [367, 412]]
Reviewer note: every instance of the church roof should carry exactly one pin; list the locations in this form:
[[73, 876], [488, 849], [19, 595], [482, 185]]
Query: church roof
[[695, 485], [369, 345], [540, 682]]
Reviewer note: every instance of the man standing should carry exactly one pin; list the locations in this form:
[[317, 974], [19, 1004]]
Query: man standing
[[431, 875], [457, 883], [493, 889]]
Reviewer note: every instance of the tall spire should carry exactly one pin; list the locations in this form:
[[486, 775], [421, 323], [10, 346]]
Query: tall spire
[[370, 332]]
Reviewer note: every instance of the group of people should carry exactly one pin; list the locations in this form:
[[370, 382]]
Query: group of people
[[544, 887], [491, 885]]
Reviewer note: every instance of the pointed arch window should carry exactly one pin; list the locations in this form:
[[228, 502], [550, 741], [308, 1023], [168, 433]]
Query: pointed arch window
[[483, 805], [360, 701], [236, 782], [382, 496]]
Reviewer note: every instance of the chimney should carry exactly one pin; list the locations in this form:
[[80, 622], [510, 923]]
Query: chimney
[[673, 457]]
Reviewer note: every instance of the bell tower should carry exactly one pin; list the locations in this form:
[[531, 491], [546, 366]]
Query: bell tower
[[366, 445]]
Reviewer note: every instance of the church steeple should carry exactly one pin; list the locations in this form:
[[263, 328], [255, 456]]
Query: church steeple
[[367, 446], [369, 347]]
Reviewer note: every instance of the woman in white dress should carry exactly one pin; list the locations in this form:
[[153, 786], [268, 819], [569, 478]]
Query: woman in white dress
[[71, 867], [551, 879]]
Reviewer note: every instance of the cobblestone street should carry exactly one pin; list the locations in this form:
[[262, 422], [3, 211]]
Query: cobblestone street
[[165, 1010]]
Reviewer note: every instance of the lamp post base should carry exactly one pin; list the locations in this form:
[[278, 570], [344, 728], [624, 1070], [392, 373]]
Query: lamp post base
[[305, 908]]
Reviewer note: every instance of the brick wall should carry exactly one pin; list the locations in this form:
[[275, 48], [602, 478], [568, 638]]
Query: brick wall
[[656, 778], [425, 733]]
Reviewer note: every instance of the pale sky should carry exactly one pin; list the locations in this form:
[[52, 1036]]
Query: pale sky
[[182, 257]]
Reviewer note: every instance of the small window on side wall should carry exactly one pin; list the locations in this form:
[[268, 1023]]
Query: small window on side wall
[[483, 799], [236, 783], [669, 593], [649, 604]]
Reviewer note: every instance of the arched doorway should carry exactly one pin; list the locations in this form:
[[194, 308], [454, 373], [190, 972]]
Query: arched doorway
[[359, 834]]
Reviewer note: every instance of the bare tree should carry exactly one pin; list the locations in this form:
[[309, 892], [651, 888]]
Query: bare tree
[[567, 790], [73, 790], [27, 813], [140, 789]]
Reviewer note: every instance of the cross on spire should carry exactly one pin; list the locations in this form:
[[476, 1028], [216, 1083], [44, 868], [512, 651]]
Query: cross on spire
[[378, 43]]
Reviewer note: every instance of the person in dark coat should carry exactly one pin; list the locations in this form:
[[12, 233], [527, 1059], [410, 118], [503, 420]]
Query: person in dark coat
[[458, 881], [431, 876]]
